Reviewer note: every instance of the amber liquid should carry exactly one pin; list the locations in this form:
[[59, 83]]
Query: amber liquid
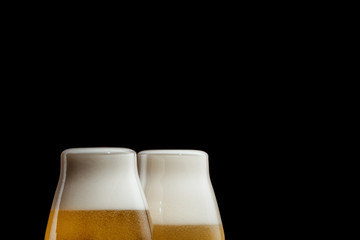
[[188, 232], [99, 224]]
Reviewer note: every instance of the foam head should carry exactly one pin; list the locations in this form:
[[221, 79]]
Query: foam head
[[177, 187], [99, 179]]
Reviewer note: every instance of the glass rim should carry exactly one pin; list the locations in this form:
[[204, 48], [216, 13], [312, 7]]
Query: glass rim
[[174, 152]]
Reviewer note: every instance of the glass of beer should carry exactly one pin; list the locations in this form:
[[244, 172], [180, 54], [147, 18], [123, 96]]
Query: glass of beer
[[99, 196], [180, 195]]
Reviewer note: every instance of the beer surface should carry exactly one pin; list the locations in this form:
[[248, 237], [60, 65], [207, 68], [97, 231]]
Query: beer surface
[[100, 224], [188, 232]]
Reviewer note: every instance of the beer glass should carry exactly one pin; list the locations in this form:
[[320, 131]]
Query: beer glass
[[180, 195], [99, 196]]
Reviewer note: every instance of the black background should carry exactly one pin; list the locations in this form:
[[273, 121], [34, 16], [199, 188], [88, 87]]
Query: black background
[[209, 103], [239, 123], [224, 83]]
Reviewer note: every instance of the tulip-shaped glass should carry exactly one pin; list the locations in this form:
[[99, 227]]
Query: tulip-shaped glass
[[99, 196], [180, 195]]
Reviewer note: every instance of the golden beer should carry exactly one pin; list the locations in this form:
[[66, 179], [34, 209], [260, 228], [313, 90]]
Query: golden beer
[[188, 232], [99, 225]]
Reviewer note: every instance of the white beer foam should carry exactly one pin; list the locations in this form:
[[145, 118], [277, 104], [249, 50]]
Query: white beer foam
[[99, 179], [177, 187]]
